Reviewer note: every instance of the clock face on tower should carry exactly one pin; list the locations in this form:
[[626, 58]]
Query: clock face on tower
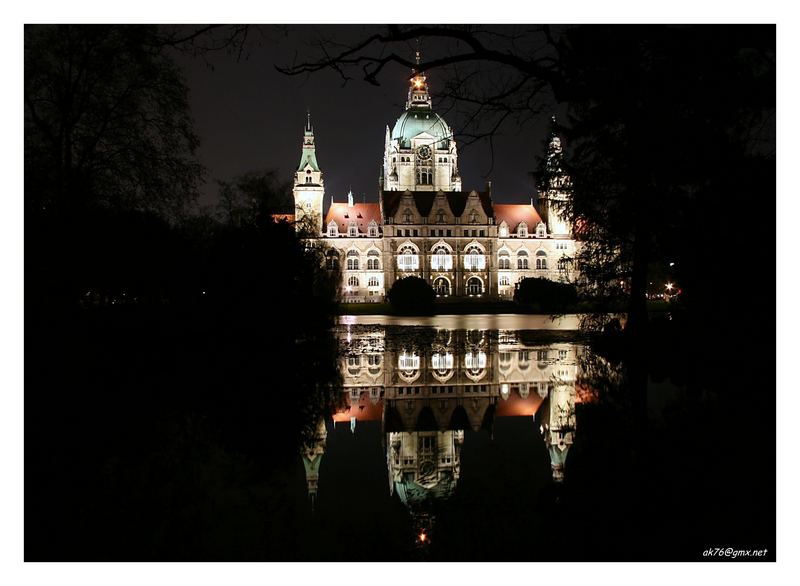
[[424, 153]]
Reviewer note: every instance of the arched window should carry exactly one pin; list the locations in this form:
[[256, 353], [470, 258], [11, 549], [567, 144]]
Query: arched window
[[473, 217], [503, 230], [353, 282], [373, 282], [373, 260], [373, 229], [541, 260], [541, 230], [504, 261], [352, 260], [407, 216], [424, 177], [333, 229], [308, 179], [522, 259], [474, 286], [442, 287], [332, 258], [474, 259], [440, 217], [522, 230], [352, 229], [407, 259], [563, 264], [441, 260], [504, 281]]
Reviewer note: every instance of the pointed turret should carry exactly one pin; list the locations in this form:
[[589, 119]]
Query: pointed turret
[[554, 186], [312, 458], [309, 187]]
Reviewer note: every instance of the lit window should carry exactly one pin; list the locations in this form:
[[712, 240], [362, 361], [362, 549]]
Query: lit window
[[353, 282], [441, 260], [504, 261], [474, 286], [541, 231], [353, 230], [441, 287], [522, 230], [352, 260], [474, 260], [475, 360], [373, 282], [504, 281], [408, 361], [373, 260], [442, 361], [333, 230], [503, 231], [373, 229], [407, 259], [541, 260], [522, 259]]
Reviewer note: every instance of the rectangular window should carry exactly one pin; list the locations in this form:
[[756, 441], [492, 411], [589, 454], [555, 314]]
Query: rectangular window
[[416, 233], [408, 362], [481, 233], [449, 233]]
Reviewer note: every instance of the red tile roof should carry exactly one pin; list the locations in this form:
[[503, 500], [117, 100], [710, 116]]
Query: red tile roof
[[362, 213], [514, 213]]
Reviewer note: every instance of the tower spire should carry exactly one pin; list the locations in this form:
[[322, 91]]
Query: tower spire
[[418, 96], [308, 123]]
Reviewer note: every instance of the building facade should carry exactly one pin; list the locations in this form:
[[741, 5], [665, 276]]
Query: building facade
[[425, 225]]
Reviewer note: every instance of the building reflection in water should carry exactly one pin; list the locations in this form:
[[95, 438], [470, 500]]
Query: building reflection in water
[[427, 387]]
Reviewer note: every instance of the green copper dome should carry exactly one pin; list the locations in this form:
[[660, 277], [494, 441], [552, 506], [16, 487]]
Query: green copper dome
[[416, 121]]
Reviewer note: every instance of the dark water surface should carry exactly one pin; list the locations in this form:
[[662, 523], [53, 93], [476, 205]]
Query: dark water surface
[[444, 438], [505, 438]]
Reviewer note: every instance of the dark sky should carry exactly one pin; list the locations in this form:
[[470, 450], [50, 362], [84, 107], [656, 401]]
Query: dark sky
[[249, 117]]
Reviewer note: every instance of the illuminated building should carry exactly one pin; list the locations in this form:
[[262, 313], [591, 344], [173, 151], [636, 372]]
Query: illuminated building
[[425, 225]]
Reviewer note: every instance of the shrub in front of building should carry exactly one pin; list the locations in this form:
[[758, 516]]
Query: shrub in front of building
[[546, 296], [411, 295]]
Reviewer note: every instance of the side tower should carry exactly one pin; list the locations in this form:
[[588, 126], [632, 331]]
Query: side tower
[[554, 188], [309, 187]]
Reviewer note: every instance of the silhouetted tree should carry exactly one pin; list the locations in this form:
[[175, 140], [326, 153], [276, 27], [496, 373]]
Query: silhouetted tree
[[107, 121], [411, 295]]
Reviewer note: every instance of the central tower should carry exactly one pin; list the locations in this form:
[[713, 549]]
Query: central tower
[[420, 153]]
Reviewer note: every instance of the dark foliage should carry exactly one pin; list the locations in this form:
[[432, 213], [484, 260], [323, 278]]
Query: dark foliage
[[411, 295], [546, 295]]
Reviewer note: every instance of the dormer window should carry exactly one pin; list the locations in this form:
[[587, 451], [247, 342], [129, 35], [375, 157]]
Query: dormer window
[[503, 231], [522, 230], [372, 230], [473, 217], [407, 216], [352, 230], [333, 229], [541, 230], [440, 217]]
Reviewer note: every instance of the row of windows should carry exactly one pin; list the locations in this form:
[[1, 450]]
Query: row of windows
[[408, 159], [371, 282], [442, 260], [352, 230], [440, 232], [522, 230]]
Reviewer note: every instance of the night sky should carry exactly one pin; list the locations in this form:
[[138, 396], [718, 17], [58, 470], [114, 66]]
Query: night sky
[[251, 117]]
